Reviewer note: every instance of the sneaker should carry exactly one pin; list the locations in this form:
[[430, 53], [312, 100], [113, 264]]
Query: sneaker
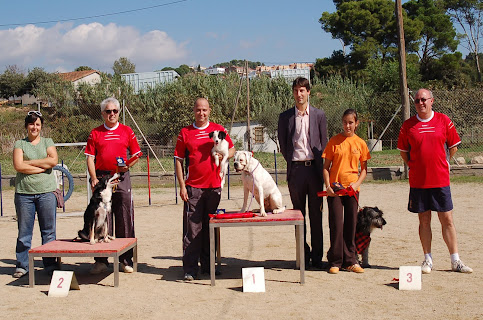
[[459, 266], [188, 277], [334, 270], [126, 268], [19, 273], [426, 267], [355, 268], [99, 267]]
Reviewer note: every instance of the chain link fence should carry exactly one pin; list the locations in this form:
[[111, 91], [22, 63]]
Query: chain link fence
[[157, 115]]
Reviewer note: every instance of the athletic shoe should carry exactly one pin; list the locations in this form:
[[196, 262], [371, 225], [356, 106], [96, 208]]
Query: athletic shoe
[[99, 267], [188, 277], [355, 268], [126, 268], [334, 270], [426, 267], [459, 266]]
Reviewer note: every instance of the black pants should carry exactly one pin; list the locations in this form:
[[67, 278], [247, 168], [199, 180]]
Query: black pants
[[304, 182], [196, 233], [123, 212], [342, 224]]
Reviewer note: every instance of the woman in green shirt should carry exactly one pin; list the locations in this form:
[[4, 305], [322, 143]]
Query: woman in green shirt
[[33, 159]]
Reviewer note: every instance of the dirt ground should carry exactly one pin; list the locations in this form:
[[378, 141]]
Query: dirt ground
[[156, 291]]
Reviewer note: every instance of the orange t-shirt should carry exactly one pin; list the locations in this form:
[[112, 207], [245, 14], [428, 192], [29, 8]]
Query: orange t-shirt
[[345, 154]]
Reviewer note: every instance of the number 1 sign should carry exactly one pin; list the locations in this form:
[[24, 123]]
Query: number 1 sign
[[409, 278], [253, 279], [61, 282]]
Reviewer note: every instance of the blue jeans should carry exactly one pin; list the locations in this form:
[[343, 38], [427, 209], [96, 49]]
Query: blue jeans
[[26, 205]]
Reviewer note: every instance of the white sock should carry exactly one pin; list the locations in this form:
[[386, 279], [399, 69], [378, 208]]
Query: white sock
[[455, 257], [428, 257]]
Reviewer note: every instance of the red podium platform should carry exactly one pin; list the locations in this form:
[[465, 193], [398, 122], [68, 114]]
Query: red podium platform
[[69, 248], [288, 217]]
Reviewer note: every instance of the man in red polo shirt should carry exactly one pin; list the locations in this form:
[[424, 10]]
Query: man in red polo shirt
[[426, 142], [201, 192], [105, 144]]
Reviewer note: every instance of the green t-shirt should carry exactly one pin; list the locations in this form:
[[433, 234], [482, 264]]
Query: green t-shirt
[[35, 183]]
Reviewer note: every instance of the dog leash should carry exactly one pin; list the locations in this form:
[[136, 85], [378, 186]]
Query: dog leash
[[349, 191]]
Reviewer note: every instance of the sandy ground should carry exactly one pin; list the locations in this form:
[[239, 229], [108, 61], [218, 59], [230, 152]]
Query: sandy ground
[[156, 291]]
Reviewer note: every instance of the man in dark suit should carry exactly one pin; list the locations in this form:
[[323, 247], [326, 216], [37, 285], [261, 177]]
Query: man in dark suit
[[302, 135]]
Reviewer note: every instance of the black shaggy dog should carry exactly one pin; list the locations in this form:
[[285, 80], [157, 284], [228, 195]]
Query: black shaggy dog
[[368, 219], [95, 217]]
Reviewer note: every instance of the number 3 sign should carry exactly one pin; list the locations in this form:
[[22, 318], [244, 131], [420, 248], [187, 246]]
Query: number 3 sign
[[61, 282], [409, 278], [253, 279]]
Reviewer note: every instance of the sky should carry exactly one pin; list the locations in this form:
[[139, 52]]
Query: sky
[[168, 33]]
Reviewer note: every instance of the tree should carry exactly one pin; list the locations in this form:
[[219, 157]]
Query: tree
[[35, 78], [123, 65], [336, 64], [12, 82], [183, 69], [468, 14], [438, 35], [369, 27], [83, 68]]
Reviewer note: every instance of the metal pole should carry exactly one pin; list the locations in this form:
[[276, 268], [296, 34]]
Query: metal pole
[[63, 189], [275, 159], [149, 179], [228, 179]]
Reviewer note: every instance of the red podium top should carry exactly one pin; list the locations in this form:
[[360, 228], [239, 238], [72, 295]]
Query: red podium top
[[286, 216], [69, 246]]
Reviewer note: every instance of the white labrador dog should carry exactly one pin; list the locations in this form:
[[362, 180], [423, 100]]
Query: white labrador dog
[[220, 146], [259, 182]]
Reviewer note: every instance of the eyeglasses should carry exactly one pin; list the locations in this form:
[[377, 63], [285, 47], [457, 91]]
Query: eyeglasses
[[423, 100], [115, 111], [37, 113]]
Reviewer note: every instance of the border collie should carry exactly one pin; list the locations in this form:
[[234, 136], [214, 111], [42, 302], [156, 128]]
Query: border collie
[[95, 216]]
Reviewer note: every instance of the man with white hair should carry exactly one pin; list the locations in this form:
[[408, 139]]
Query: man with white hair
[[426, 142], [105, 145]]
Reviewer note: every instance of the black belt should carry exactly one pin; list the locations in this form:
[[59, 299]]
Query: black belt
[[306, 163]]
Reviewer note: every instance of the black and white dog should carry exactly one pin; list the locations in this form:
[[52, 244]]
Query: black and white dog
[[220, 147], [368, 219], [95, 216]]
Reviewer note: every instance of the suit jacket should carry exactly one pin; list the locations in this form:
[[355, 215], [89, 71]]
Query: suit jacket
[[317, 133]]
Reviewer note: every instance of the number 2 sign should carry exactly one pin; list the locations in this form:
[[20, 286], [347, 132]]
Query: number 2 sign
[[409, 278], [253, 279], [61, 283]]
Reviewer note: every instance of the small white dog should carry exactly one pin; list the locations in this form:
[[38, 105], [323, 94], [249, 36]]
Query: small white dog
[[221, 147], [259, 182]]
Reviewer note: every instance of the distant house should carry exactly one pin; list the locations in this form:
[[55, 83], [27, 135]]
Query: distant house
[[77, 77], [260, 141], [142, 80], [214, 71]]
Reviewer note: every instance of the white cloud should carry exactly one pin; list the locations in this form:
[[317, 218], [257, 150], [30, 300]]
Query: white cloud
[[64, 47]]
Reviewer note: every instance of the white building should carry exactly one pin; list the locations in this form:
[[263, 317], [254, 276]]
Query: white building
[[142, 80], [260, 141], [213, 71]]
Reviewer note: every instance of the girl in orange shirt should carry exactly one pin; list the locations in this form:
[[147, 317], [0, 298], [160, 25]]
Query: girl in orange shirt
[[342, 155]]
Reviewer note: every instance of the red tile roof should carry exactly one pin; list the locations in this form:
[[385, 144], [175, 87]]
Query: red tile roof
[[76, 75]]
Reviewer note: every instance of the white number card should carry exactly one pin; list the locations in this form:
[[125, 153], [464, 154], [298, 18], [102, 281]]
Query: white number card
[[409, 278], [61, 282], [253, 279]]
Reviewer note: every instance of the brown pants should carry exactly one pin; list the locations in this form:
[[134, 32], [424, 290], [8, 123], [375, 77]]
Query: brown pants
[[342, 224]]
